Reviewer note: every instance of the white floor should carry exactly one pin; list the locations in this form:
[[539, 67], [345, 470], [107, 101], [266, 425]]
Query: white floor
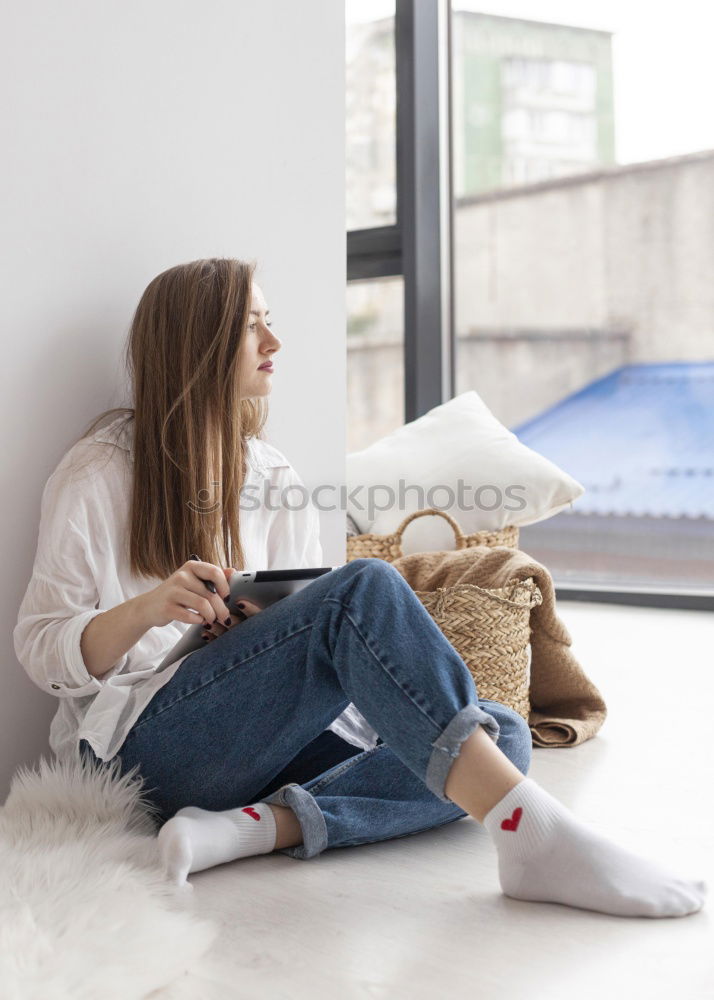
[[424, 917]]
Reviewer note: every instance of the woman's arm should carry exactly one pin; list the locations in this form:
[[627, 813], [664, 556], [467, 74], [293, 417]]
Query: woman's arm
[[112, 634], [62, 597]]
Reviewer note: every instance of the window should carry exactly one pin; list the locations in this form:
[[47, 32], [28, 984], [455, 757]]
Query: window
[[579, 264]]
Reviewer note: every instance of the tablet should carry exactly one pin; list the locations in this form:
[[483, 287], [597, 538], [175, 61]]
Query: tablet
[[262, 587]]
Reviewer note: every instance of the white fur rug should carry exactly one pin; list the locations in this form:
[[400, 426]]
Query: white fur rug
[[85, 910]]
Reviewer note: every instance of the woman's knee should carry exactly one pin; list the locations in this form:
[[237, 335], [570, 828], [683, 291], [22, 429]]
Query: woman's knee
[[367, 564], [364, 575], [514, 738], [375, 571]]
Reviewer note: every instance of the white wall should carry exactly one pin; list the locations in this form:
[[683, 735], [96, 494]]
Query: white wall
[[138, 136]]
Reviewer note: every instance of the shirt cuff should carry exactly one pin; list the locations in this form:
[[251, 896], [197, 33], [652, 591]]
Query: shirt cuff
[[75, 681]]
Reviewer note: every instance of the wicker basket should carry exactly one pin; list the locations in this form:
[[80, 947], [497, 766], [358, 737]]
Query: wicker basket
[[389, 547], [489, 629]]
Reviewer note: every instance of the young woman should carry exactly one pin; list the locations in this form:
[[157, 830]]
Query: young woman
[[340, 715]]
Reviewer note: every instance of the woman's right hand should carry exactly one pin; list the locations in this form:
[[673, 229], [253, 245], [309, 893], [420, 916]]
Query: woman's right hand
[[174, 599]]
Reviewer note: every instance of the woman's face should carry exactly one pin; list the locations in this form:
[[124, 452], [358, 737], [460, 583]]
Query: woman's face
[[258, 348]]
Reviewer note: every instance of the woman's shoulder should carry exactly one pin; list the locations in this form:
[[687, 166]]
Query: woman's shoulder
[[119, 432], [263, 456], [96, 457]]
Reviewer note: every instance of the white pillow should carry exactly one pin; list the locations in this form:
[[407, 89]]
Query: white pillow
[[503, 481]]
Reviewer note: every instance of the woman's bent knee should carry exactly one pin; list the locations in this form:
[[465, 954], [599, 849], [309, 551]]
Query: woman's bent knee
[[370, 564], [370, 571]]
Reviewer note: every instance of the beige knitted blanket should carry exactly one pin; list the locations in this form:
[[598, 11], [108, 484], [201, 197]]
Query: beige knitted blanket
[[566, 707]]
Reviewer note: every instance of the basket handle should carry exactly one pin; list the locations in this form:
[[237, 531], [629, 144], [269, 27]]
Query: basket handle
[[460, 537]]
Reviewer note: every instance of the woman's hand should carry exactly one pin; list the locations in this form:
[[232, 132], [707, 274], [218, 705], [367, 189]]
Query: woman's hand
[[245, 610], [184, 597]]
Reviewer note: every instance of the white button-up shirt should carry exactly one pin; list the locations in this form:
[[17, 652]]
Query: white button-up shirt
[[81, 570]]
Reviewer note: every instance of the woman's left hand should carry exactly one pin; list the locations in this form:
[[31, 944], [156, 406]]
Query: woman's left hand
[[247, 608]]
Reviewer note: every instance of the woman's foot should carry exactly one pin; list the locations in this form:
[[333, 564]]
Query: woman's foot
[[197, 838], [546, 854]]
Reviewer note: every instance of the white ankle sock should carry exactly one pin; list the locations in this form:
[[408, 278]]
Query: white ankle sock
[[197, 838], [545, 853]]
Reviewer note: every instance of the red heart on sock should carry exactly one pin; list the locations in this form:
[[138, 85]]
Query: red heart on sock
[[512, 823], [251, 812]]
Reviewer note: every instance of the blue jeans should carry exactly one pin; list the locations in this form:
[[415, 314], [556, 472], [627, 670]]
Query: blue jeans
[[244, 719]]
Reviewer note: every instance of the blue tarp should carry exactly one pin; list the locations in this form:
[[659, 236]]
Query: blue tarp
[[640, 440]]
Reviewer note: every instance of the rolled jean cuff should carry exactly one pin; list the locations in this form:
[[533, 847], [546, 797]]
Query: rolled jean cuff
[[310, 818], [448, 746]]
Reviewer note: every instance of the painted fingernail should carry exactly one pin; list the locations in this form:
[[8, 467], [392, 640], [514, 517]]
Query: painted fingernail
[[227, 621], [204, 637], [240, 604]]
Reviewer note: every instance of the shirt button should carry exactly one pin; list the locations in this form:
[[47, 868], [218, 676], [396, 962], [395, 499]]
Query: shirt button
[[55, 686]]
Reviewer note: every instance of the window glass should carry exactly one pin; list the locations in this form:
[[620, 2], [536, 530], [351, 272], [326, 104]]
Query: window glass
[[583, 149], [375, 360], [370, 114]]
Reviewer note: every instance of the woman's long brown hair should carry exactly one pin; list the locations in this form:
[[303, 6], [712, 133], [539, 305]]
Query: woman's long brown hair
[[188, 417]]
